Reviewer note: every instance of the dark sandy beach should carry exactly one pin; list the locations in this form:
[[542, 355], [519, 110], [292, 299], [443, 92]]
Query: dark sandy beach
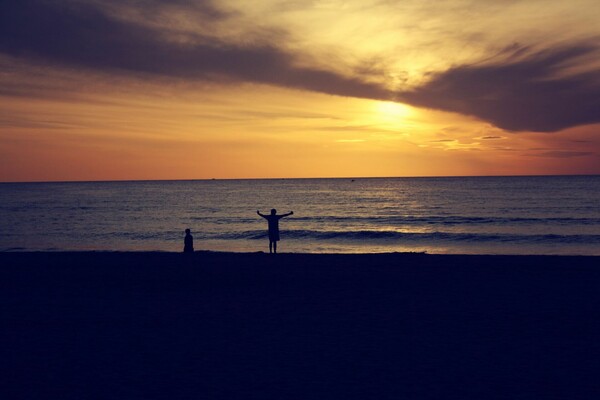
[[298, 326]]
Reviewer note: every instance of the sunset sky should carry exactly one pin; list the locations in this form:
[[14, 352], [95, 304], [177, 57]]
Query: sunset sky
[[195, 89]]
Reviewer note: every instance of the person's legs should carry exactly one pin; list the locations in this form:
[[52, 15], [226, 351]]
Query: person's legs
[[275, 247], [270, 246]]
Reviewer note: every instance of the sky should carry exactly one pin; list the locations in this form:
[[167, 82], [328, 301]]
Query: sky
[[201, 89]]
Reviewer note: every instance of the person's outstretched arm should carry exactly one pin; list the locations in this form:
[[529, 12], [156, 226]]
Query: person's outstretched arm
[[288, 214], [258, 212]]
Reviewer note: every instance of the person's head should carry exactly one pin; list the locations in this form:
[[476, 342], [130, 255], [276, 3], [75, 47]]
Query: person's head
[[273, 211], [187, 231]]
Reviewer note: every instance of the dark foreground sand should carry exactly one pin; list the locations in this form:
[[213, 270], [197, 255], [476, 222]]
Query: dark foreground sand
[[254, 326]]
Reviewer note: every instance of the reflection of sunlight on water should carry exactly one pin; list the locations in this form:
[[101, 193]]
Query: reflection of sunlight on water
[[410, 229], [309, 246]]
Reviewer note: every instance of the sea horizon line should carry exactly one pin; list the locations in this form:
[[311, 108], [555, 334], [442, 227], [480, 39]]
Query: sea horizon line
[[301, 178]]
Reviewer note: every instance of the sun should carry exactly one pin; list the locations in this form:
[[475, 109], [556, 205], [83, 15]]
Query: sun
[[389, 112], [390, 115], [390, 109]]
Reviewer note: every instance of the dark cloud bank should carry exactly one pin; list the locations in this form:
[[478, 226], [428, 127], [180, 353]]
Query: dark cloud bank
[[515, 95], [518, 95], [83, 36]]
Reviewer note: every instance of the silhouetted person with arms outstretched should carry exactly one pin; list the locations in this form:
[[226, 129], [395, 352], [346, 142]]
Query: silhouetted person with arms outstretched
[[188, 242], [273, 221]]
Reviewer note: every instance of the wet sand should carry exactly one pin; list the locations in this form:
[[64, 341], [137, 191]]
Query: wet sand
[[298, 326]]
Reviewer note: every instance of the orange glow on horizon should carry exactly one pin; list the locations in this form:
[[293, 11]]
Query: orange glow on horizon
[[279, 136]]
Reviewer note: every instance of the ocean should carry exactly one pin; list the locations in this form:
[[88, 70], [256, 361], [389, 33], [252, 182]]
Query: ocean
[[451, 215]]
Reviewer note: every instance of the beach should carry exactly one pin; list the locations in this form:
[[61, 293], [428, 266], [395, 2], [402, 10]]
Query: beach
[[210, 325]]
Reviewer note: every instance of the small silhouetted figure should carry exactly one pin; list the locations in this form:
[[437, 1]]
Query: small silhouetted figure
[[188, 242], [273, 221]]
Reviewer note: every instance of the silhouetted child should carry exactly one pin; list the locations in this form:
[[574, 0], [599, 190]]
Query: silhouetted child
[[188, 242], [273, 220]]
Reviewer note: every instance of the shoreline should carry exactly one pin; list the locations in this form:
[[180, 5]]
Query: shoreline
[[58, 256], [247, 252], [197, 253]]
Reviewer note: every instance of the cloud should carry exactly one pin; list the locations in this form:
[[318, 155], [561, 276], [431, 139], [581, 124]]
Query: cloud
[[563, 154], [82, 36], [581, 141], [523, 93]]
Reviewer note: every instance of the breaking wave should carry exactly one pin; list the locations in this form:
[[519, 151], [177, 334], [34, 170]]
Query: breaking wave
[[412, 236]]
